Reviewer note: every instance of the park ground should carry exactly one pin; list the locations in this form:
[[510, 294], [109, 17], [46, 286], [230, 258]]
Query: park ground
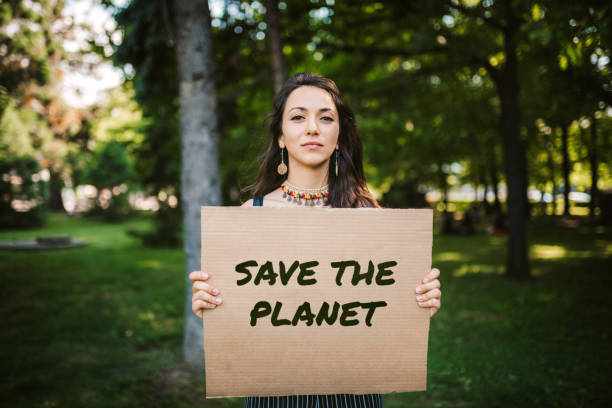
[[101, 326]]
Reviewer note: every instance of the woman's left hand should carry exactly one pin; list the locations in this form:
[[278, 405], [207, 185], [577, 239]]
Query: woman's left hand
[[428, 292]]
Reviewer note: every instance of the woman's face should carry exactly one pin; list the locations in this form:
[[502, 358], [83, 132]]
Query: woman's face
[[310, 127]]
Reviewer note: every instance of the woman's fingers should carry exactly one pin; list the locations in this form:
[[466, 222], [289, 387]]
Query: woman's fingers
[[428, 293], [208, 298], [433, 274], [199, 285], [204, 295], [425, 287], [198, 275], [432, 294], [198, 307], [431, 303], [202, 300]]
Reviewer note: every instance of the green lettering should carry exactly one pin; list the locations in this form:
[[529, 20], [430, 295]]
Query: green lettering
[[275, 320], [325, 315], [242, 268], [382, 272], [365, 276], [260, 309], [341, 265], [303, 313], [347, 312], [305, 271], [285, 276], [371, 308], [266, 272]]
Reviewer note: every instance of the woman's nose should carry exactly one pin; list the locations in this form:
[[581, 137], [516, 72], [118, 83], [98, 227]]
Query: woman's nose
[[312, 126]]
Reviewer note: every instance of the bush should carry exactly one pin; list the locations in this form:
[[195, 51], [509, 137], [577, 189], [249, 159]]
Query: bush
[[23, 193], [110, 172]]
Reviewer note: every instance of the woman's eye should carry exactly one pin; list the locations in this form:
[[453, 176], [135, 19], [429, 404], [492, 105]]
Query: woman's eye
[[327, 118], [296, 117]]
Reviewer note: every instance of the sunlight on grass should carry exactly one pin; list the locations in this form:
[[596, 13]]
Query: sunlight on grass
[[604, 246], [486, 269], [150, 263], [449, 256], [548, 251], [558, 252]]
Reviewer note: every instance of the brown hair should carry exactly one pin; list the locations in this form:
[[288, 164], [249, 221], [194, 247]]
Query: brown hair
[[348, 189]]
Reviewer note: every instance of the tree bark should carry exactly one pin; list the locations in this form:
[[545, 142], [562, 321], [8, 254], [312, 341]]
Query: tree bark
[[485, 186], [55, 191], [551, 169], [517, 265], [199, 145], [275, 45], [494, 179], [593, 162], [566, 170], [444, 187]]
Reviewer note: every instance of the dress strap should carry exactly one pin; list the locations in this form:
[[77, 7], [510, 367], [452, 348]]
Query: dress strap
[[258, 201]]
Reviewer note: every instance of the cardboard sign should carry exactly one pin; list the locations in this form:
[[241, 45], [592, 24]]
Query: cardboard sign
[[315, 301]]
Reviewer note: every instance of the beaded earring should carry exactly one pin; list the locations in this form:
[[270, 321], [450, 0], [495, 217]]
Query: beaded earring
[[336, 162], [282, 167]]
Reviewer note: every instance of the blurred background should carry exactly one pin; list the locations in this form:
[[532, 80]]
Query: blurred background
[[495, 113]]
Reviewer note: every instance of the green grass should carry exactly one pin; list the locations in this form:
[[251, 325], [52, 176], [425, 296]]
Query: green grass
[[102, 325]]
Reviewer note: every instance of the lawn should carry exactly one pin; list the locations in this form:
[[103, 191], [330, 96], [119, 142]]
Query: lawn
[[101, 326]]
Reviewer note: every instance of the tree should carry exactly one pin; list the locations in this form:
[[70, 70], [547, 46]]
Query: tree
[[275, 44], [110, 171], [200, 164]]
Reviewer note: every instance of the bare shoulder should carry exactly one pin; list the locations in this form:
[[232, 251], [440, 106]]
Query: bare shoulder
[[274, 199], [248, 203]]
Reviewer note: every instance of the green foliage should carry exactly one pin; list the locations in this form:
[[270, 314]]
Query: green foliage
[[28, 44], [421, 78], [166, 222], [23, 193], [111, 171], [110, 166]]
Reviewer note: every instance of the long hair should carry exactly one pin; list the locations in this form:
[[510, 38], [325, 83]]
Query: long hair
[[348, 189]]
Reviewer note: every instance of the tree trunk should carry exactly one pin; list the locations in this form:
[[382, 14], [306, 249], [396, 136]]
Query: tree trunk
[[55, 191], [551, 169], [494, 180], [485, 186], [200, 163], [593, 162], [275, 45], [525, 148], [444, 188], [566, 170], [517, 265]]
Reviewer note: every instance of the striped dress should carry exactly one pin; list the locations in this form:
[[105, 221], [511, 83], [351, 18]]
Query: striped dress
[[313, 401]]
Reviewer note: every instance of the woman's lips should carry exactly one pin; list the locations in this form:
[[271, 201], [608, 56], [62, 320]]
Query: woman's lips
[[312, 145]]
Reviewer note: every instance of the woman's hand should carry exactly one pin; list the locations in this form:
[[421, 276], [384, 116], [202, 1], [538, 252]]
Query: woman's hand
[[428, 293], [204, 295]]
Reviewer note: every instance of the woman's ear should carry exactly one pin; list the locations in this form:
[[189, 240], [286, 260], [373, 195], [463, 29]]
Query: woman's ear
[[281, 141]]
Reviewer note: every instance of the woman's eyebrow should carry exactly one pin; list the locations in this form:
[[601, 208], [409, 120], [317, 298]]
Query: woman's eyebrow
[[320, 110]]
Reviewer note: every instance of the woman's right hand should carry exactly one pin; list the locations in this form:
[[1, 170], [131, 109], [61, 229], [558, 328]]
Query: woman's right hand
[[204, 295]]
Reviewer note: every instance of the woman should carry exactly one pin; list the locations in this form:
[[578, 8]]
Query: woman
[[314, 159]]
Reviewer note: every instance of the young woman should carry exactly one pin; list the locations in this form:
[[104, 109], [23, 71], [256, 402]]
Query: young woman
[[313, 159]]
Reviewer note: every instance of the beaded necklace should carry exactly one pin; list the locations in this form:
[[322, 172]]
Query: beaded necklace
[[309, 195]]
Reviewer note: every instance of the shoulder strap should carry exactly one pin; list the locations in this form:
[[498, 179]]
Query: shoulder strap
[[258, 201]]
